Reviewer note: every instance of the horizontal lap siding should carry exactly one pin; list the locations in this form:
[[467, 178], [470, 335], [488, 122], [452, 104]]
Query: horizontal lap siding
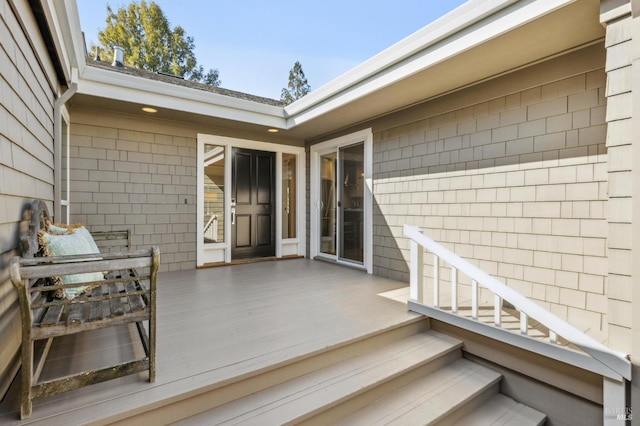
[[26, 162], [517, 184]]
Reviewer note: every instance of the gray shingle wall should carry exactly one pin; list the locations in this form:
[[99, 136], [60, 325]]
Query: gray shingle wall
[[26, 164], [139, 180], [517, 184]]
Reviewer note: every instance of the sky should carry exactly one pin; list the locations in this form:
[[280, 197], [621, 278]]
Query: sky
[[254, 43]]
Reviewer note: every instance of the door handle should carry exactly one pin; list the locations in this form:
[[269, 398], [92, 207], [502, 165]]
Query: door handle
[[233, 215]]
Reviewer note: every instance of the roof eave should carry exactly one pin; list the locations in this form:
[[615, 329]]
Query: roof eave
[[441, 40], [112, 85]]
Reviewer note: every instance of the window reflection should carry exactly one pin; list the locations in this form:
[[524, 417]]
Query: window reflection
[[289, 178], [213, 194]]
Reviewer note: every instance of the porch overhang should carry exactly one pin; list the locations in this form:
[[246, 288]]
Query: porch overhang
[[103, 88]]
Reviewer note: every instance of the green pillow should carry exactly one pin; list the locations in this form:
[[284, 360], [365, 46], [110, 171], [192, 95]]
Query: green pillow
[[78, 241]]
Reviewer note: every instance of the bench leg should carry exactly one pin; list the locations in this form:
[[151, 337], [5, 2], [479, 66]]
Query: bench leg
[[27, 378], [152, 349]]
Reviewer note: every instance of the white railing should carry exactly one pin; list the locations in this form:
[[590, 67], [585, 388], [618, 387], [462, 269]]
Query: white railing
[[211, 228], [614, 361]]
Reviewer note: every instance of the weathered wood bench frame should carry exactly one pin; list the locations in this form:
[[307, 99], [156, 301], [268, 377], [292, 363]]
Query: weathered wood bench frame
[[122, 298]]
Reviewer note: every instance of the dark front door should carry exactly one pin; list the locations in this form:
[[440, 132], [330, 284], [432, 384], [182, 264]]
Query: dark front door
[[253, 192]]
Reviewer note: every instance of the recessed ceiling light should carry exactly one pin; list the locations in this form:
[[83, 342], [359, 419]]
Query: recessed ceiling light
[[273, 130], [149, 110]]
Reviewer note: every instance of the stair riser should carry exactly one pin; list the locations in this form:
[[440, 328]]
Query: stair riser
[[458, 412], [201, 400], [332, 414]]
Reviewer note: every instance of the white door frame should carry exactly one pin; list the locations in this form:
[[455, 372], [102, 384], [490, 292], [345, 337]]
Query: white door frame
[[363, 136], [221, 252]]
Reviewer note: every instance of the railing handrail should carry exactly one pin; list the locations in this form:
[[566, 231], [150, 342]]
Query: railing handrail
[[614, 360]]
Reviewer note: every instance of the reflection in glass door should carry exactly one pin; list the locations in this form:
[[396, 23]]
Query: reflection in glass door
[[351, 204], [213, 203], [328, 203]]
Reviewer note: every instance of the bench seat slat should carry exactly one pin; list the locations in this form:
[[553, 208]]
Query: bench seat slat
[[63, 330], [115, 305], [52, 316], [135, 301], [95, 309], [74, 314]]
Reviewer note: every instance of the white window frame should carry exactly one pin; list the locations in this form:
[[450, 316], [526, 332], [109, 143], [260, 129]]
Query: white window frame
[[65, 162]]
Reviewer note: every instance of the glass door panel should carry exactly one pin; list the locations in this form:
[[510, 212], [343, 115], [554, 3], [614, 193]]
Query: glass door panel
[[328, 165], [351, 204], [289, 195], [213, 205]]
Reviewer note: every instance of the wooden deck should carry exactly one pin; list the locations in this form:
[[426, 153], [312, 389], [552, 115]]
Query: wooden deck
[[214, 326]]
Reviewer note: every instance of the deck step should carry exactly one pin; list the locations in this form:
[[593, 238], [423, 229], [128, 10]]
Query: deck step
[[437, 397], [501, 410], [319, 391]]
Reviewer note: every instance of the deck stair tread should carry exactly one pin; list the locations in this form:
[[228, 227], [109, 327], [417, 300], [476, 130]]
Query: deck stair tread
[[501, 410], [432, 398], [319, 390]]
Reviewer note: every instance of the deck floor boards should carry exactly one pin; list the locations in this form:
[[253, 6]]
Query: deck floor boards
[[216, 324]]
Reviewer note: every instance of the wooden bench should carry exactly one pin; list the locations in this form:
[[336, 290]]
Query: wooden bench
[[126, 295]]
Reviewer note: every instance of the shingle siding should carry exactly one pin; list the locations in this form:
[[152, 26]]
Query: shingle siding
[[517, 184], [140, 180], [26, 162], [620, 169]]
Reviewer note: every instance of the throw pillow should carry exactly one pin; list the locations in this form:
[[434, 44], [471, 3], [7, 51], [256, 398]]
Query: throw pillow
[[79, 241]]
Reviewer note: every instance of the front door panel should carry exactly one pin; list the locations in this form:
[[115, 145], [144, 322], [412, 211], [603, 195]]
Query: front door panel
[[253, 223]]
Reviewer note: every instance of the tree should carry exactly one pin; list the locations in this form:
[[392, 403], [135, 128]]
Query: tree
[[297, 87], [149, 42]]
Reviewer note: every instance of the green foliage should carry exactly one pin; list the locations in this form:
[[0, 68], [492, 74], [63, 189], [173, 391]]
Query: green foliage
[[297, 87], [150, 43]]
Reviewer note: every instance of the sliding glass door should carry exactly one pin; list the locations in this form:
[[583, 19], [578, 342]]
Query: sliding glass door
[[341, 198]]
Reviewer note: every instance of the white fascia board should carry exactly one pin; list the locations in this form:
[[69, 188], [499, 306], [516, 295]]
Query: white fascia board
[[447, 37], [56, 27], [69, 21], [28, 23], [124, 87], [64, 23]]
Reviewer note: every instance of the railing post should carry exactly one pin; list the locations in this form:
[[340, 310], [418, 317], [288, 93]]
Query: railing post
[[436, 281], [616, 407], [474, 299], [454, 290], [416, 269], [524, 323], [497, 310]]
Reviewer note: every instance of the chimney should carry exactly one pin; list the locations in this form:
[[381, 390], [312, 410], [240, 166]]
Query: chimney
[[118, 55], [98, 58]]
